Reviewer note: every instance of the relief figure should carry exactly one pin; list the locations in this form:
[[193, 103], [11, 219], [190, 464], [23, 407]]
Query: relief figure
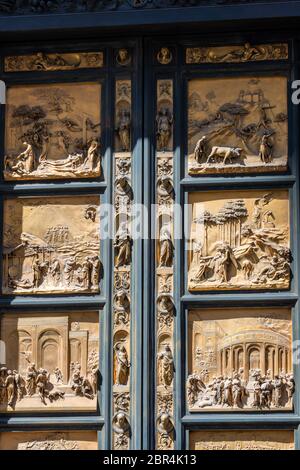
[[122, 364]]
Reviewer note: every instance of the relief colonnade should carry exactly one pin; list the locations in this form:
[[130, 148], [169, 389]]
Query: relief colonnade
[[76, 318]]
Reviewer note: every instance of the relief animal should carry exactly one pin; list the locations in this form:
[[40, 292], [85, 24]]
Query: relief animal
[[227, 153]]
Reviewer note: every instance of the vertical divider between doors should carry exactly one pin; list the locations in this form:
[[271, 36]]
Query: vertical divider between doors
[[148, 252], [137, 261]]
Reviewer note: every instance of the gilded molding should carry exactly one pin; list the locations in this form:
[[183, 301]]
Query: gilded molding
[[43, 62], [164, 266], [123, 198], [236, 54]]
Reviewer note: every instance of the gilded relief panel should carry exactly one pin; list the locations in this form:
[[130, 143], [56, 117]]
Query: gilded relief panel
[[237, 125], [240, 359], [51, 245], [53, 131], [239, 240], [52, 362], [44, 62], [242, 440], [236, 54], [49, 440]]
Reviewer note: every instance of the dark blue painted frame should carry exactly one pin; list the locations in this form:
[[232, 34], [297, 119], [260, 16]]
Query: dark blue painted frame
[[144, 73], [184, 184], [103, 186]]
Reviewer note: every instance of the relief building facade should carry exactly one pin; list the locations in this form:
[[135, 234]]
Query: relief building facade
[[149, 206]]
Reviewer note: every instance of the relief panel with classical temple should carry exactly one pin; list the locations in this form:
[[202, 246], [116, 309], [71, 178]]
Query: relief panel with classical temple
[[51, 245], [53, 131], [49, 440], [52, 362], [239, 240], [240, 359], [237, 125], [242, 440]]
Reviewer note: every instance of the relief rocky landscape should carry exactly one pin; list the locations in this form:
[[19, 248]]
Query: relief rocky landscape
[[237, 125], [239, 240]]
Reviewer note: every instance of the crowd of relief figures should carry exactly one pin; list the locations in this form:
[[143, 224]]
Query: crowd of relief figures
[[240, 360], [43, 440], [51, 245], [237, 125], [242, 440], [52, 362], [240, 240], [53, 131]]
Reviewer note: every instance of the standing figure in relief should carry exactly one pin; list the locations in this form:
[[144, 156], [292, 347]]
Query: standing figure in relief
[[3, 375], [258, 209], [164, 122], [123, 129], [123, 245], [290, 384], [25, 160], [94, 378], [220, 390], [278, 390], [31, 376], [10, 388], [266, 393], [257, 393], [86, 272], [237, 391], [61, 144], [37, 273], [166, 247], [228, 398], [55, 271], [69, 269], [92, 156], [166, 369], [266, 149], [123, 364], [201, 149], [95, 271], [20, 384], [58, 375], [223, 259], [41, 385]]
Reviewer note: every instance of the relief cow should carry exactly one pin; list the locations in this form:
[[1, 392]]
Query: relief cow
[[227, 153]]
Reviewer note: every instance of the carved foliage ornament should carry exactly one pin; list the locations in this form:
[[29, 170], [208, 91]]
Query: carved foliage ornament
[[61, 6]]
